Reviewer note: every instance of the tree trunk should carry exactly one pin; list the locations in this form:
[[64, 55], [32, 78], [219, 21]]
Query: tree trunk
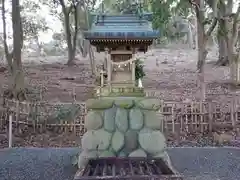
[[90, 50], [72, 39], [92, 61], [17, 87], [222, 47], [71, 52], [38, 45], [8, 55], [17, 77], [202, 53]]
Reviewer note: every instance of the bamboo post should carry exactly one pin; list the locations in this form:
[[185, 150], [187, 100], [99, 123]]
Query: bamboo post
[[232, 110], [162, 113], [186, 120], [74, 125], [17, 114], [192, 117], [74, 95], [65, 125], [201, 116], [173, 119], [210, 117], [10, 132], [41, 91]]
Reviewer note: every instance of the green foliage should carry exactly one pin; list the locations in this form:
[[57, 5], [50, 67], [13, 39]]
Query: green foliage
[[139, 73], [207, 21], [66, 113], [32, 23]]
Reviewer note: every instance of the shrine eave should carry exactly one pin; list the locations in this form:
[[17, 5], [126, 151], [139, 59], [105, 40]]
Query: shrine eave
[[122, 35], [107, 42]]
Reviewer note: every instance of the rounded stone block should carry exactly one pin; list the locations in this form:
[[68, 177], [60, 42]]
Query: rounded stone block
[[121, 119], [93, 120], [107, 154], [117, 141], [138, 153], [84, 157], [152, 141], [103, 139], [109, 119], [124, 103], [151, 120], [131, 140], [89, 140], [136, 119], [149, 104], [122, 154], [101, 103]]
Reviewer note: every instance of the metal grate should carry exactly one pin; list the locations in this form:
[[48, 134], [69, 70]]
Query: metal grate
[[127, 168]]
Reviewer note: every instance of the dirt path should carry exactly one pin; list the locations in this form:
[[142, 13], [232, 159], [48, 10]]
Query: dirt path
[[174, 79]]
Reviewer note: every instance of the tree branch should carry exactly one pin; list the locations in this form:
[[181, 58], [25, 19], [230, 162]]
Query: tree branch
[[8, 55], [235, 25], [76, 25], [211, 28]]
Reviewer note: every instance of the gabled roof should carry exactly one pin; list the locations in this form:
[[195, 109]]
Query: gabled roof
[[126, 26]]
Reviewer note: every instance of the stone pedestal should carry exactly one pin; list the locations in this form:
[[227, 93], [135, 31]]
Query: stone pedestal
[[122, 127]]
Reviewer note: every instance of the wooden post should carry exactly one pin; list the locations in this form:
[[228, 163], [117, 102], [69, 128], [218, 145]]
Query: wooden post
[[109, 64], [102, 78], [133, 68], [210, 114], [10, 132]]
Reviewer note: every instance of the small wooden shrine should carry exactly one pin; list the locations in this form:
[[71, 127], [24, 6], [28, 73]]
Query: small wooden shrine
[[121, 37], [123, 128]]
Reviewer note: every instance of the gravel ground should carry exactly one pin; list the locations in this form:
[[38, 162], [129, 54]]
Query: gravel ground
[[55, 164]]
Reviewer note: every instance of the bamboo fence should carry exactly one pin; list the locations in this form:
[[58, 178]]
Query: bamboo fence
[[174, 117]]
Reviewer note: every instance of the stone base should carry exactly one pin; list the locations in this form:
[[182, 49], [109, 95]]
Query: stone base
[[123, 127], [118, 91]]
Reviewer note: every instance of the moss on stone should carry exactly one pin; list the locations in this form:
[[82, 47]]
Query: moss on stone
[[117, 141], [122, 154], [124, 103], [107, 154], [100, 103], [103, 138], [121, 119], [152, 141], [131, 140], [109, 119], [149, 104], [138, 153], [151, 120], [89, 140], [93, 120], [135, 119]]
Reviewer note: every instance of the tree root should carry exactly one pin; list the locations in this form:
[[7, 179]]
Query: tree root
[[222, 61], [10, 94]]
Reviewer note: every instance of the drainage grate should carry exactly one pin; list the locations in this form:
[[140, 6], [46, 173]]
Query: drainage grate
[[127, 168]]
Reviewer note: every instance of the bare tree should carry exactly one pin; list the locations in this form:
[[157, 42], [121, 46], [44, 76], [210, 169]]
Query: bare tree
[[203, 36], [16, 81], [71, 38]]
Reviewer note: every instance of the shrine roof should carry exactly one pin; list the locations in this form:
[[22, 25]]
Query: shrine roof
[[125, 26]]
